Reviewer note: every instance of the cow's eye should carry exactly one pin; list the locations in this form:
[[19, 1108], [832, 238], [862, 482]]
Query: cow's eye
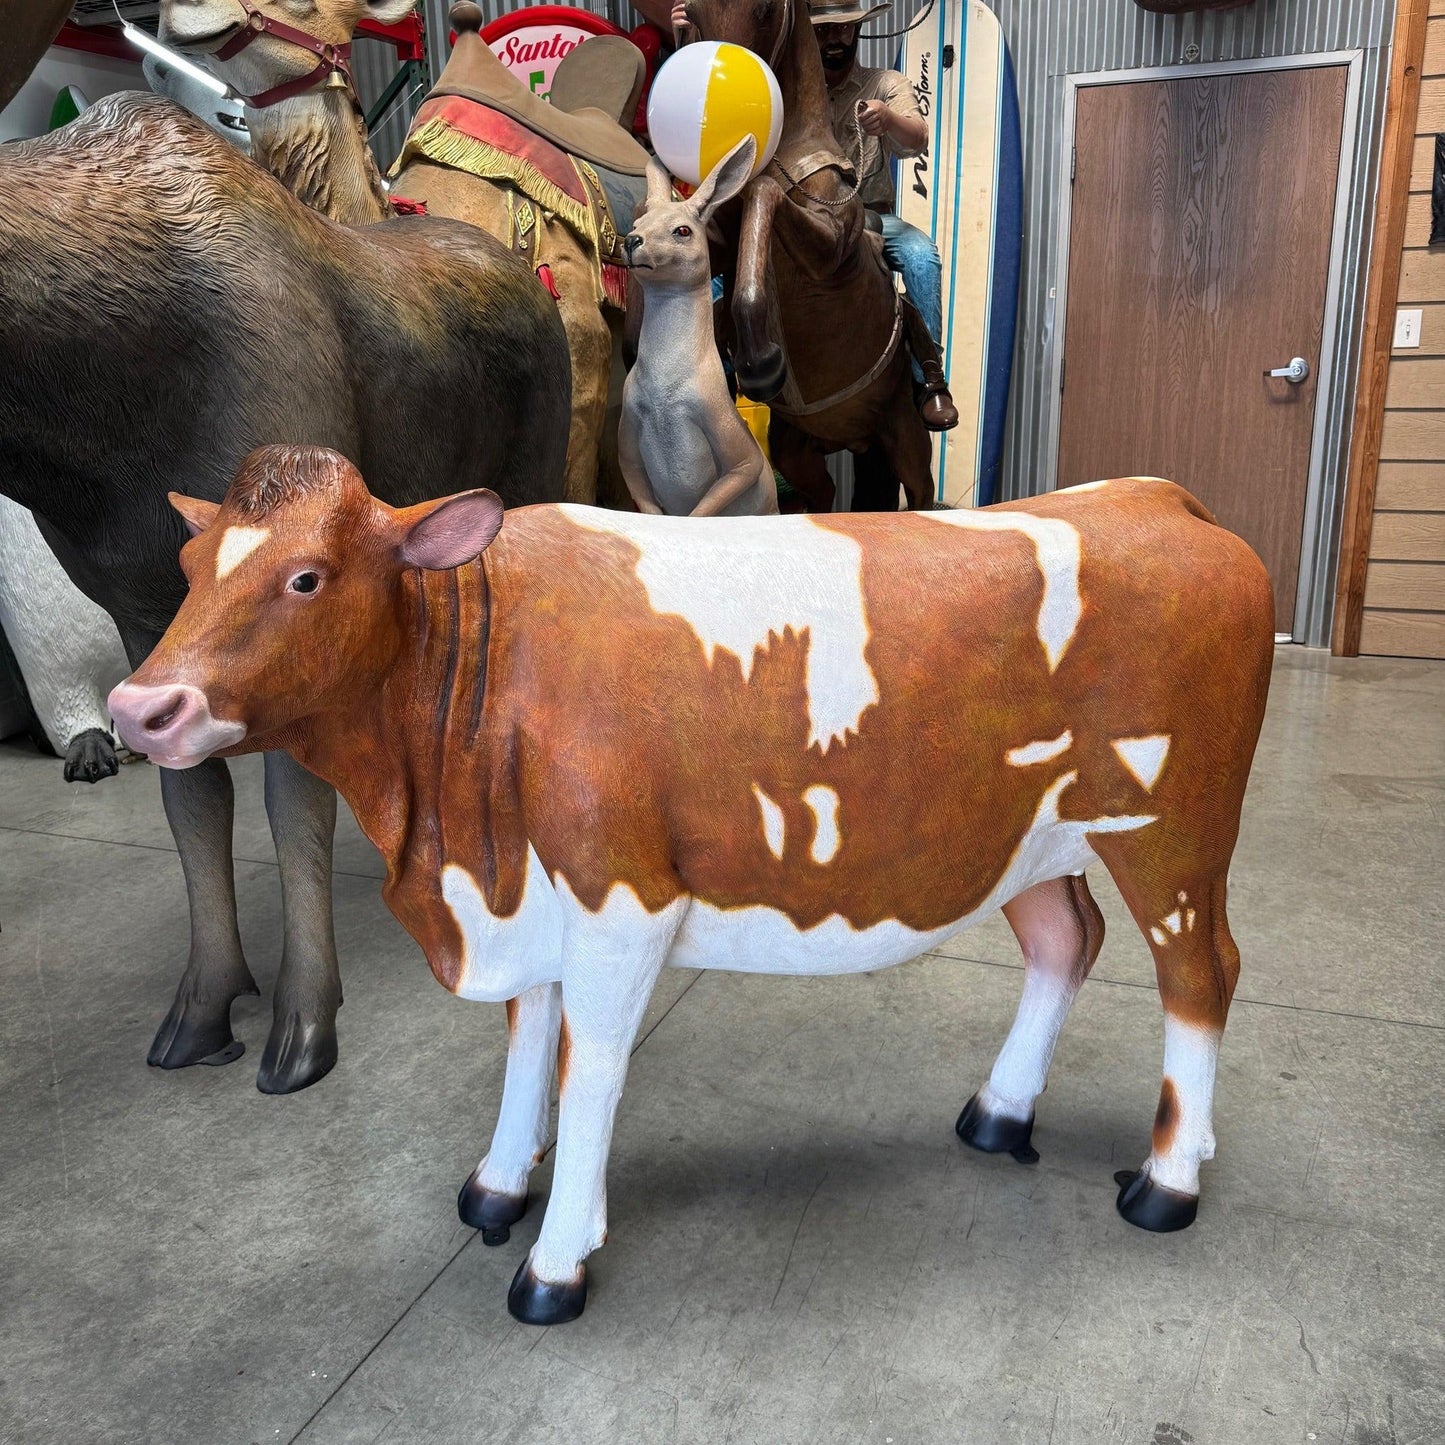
[[304, 582], [683, 231]]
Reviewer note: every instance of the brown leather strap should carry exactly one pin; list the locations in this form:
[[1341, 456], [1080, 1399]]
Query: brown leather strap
[[331, 59], [812, 408]]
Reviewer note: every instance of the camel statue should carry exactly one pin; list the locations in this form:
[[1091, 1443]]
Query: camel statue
[[558, 185]]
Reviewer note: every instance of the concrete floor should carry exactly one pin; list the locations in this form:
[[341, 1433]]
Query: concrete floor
[[800, 1249]]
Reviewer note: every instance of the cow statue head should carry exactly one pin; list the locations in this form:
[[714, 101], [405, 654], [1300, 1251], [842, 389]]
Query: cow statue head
[[296, 604]]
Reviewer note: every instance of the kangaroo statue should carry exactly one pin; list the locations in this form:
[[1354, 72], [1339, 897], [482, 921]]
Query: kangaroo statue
[[683, 447]]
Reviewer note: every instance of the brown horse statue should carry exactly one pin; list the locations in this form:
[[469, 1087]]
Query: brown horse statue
[[483, 149], [806, 274]]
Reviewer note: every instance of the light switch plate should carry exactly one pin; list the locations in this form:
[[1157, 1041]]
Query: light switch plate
[[1408, 325]]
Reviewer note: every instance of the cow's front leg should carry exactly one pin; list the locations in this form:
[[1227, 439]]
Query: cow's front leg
[[200, 806], [610, 963], [302, 1045], [494, 1197]]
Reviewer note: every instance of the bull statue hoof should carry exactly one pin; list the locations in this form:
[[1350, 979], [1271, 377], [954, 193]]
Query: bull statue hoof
[[494, 1214], [298, 1054], [535, 1302], [90, 757], [996, 1133], [187, 1037], [1152, 1206], [763, 379]]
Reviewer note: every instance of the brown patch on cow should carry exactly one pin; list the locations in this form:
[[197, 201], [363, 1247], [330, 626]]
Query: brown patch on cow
[[1166, 1117], [564, 1054], [511, 1016]]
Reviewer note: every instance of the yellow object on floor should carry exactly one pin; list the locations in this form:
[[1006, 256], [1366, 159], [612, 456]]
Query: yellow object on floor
[[757, 416]]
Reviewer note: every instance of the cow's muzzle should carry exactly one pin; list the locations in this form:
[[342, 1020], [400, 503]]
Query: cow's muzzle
[[172, 725]]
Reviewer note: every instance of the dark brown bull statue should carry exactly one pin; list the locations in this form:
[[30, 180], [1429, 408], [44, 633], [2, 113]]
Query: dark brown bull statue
[[166, 306]]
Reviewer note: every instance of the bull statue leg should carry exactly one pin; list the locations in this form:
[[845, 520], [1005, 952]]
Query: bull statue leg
[[610, 962], [200, 806], [814, 240], [1060, 929], [494, 1197], [302, 1045]]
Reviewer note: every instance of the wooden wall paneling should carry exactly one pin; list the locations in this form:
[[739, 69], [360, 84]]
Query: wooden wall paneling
[[1404, 634], [1402, 107], [1413, 436], [1409, 537], [1405, 587], [1421, 280], [1416, 383], [1410, 487]]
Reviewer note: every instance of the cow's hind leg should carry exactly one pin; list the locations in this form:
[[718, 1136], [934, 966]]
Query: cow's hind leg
[[494, 1197], [1060, 929], [610, 963], [1197, 965], [302, 1046], [200, 806]]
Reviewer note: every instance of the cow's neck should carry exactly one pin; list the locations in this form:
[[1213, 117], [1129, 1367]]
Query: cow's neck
[[315, 145]]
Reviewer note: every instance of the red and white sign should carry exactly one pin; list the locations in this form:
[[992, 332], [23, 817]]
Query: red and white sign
[[531, 42]]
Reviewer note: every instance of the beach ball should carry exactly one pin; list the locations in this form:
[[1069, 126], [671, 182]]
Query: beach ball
[[705, 100]]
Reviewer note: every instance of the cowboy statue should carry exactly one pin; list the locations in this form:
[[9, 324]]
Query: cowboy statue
[[875, 117]]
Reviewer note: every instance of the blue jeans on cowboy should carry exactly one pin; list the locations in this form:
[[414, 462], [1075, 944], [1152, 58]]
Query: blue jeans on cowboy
[[911, 252]]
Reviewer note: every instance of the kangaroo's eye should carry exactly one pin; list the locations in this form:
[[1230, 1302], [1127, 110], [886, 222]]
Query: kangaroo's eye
[[683, 231], [304, 582]]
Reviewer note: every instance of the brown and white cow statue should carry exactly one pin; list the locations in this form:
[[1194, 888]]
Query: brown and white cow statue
[[589, 744]]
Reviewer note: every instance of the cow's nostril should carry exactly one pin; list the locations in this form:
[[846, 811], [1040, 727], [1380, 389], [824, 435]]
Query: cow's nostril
[[157, 722]]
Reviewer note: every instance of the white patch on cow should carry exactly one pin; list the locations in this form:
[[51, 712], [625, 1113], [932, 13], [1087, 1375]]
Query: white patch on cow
[[1157, 934], [503, 956], [738, 581], [773, 828], [237, 543], [1189, 919], [1032, 753], [520, 1137], [1022, 1067], [1058, 549], [1144, 757], [826, 838], [760, 939], [1084, 487], [1190, 1057], [1175, 922]]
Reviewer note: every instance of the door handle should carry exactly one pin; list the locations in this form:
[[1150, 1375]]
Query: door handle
[[1296, 373]]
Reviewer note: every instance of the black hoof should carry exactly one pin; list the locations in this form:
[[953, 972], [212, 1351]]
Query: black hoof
[[186, 1036], [298, 1053], [494, 1214], [535, 1302], [763, 379], [90, 757], [996, 1134], [1152, 1206]]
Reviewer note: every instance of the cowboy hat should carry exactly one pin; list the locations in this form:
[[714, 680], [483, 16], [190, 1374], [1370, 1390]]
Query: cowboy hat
[[841, 12]]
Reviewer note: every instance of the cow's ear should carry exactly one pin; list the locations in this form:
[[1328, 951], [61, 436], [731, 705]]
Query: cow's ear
[[196, 513], [451, 532]]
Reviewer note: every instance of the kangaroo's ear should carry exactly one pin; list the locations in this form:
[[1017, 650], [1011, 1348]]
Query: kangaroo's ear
[[451, 532], [197, 514], [659, 184], [726, 178]]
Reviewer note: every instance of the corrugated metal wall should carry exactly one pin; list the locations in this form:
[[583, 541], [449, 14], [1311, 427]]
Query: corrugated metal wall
[[1052, 39]]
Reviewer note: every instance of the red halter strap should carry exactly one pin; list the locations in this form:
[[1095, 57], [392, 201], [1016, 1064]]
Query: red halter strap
[[330, 59]]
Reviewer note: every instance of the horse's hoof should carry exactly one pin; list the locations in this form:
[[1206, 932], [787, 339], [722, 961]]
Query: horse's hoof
[[299, 1052], [186, 1036], [90, 757], [535, 1302], [1152, 1206], [494, 1214], [996, 1133], [763, 379]]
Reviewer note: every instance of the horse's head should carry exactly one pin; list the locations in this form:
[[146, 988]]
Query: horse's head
[[762, 25]]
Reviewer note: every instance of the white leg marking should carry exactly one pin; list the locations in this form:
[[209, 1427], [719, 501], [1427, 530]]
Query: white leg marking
[[1032, 753], [1022, 1067], [736, 583], [773, 826], [610, 962], [1190, 1057], [1144, 757], [521, 1132], [826, 838], [237, 543], [1058, 550]]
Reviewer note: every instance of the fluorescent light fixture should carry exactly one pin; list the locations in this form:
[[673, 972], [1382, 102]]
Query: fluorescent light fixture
[[146, 41]]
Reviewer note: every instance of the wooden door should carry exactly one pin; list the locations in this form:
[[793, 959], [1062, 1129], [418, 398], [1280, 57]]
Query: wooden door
[[1203, 211]]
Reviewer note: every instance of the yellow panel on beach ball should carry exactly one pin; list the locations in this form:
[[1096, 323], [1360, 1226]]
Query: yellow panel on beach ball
[[705, 100]]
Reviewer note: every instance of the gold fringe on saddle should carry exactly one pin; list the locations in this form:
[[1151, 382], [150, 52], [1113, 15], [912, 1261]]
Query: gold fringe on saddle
[[438, 141]]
